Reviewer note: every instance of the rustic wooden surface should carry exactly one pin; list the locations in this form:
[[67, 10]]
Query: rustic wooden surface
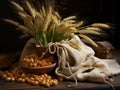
[[4, 85]]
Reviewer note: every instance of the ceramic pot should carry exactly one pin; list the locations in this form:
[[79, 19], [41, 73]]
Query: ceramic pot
[[42, 52], [39, 70]]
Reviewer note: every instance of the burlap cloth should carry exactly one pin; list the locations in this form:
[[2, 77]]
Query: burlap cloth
[[76, 61]]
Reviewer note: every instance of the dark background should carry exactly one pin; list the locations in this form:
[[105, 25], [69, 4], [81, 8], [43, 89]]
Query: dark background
[[104, 11]]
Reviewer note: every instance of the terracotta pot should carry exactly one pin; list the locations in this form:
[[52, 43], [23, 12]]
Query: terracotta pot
[[43, 53], [38, 70]]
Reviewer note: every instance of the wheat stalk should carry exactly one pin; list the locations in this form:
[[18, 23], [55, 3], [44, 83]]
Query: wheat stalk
[[100, 25], [88, 40], [30, 9], [17, 6], [93, 29], [16, 24], [69, 18], [89, 32]]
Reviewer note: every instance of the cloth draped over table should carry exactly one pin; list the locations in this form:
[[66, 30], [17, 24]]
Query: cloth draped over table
[[76, 61]]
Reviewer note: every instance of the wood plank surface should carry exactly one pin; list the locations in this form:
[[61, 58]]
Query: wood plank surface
[[4, 85]]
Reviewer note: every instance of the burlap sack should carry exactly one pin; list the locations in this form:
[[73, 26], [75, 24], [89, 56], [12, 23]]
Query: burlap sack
[[76, 61]]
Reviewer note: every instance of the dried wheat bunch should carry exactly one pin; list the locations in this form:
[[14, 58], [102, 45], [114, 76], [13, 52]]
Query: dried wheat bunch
[[45, 25]]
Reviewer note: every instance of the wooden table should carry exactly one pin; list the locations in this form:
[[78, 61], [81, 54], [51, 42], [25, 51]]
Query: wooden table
[[4, 85]]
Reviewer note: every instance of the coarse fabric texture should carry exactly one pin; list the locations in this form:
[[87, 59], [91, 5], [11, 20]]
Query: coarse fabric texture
[[76, 61]]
